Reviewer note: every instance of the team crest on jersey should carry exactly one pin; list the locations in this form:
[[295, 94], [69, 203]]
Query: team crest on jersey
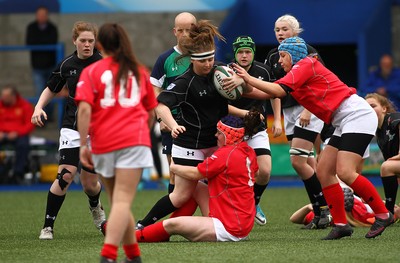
[[171, 86]]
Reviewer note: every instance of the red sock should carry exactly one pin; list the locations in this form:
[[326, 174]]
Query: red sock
[[152, 233], [132, 251], [110, 251], [366, 190], [335, 199], [187, 209]]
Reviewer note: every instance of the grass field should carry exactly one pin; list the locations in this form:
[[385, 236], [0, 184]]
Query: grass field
[[77, 240]]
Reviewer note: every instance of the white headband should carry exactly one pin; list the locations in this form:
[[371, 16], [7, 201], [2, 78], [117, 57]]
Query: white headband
[[205, 55]]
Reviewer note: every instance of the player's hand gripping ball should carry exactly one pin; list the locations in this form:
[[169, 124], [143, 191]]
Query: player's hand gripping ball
[[220, 73]]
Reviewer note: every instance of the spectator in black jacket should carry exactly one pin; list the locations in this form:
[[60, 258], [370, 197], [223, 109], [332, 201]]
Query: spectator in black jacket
[[42, 32]]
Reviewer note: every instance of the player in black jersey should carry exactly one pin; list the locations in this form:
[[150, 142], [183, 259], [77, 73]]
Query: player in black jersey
[[301, 127], [67, 74], [388, 138], [244, 52], [200, 108]]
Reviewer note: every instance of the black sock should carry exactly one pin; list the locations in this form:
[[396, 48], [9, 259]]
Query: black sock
[[171, 188], [390, 185], [93, 199], [162, 208], [314, 191], [54, 203], [258, 191]]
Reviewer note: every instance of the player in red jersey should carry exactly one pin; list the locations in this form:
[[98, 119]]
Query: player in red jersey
[[229, 202], [116, 102], [325, 95]]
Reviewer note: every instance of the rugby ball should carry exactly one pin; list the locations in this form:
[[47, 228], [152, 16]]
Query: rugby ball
[[220, 73]]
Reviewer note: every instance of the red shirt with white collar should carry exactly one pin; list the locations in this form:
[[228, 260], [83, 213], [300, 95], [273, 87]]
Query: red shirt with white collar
[[316, 88]]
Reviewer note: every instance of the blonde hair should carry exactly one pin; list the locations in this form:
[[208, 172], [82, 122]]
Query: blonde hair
[[292, 21], [354, 222], [383, 101]]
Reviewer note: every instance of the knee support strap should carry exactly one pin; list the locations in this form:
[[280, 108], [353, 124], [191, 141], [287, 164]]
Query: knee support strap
[[300, 152], [61, 182]]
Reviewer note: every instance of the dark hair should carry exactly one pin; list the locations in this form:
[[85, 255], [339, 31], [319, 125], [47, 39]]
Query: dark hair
[[114, 40], [252, 121], [13, 88]]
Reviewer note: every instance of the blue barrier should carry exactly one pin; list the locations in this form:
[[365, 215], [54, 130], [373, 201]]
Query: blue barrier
[[59, 48]]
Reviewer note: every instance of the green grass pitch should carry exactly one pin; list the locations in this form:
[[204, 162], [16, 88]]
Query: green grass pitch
[[77, 240]]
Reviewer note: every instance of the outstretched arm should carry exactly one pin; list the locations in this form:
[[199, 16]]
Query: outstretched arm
[[273, 89], [187, 172]]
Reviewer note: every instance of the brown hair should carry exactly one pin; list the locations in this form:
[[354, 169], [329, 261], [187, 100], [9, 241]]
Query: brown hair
[[252, 121], [81, 26], [385, 102], [12, 88], [201, 38], [114, 40]]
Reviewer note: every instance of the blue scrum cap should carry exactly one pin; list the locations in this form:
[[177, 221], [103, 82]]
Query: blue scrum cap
[[296, 47]]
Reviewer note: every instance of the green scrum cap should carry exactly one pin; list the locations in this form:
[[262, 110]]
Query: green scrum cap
[[244, 42]]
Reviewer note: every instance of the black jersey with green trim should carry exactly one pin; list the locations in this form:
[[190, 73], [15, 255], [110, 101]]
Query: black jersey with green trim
[[200, 108], [388, 135], [260, 71], [277, 71], [67, 74]]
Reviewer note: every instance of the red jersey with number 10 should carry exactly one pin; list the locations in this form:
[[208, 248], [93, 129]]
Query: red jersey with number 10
[[230, 171], [316, 88], [119, 112]]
